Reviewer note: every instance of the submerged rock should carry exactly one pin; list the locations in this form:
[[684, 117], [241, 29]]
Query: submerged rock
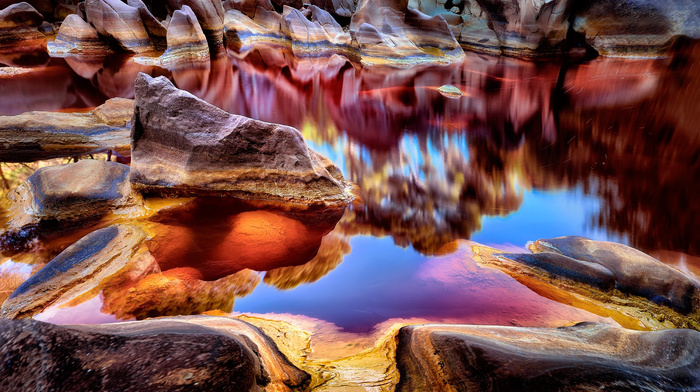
[[184, 146], [151, 355], [450, 91], [587, 356], [120, 23], [76, 36], [186, 41], [35, 136], [103, 257]]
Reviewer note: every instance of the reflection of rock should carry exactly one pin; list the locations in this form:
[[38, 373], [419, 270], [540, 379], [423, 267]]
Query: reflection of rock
[[330, 254], [219, 237], [186, 41], [108, 255], [77, 36], [635, 273], [177, 293], [607, 278], [56, 198], [183, 145], [584, 357], [120, 23], [166, 354], [44, 135]]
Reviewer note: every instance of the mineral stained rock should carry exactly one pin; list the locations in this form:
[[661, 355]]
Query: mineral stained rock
[[184, 146], [61, 197], [610, 278], [120, 23], [75, 36], [19, 26], [102, 257], [321, 33], [34, 136], [210, 14], [156, 30], [151, 355], [587, 356], [186, 41]]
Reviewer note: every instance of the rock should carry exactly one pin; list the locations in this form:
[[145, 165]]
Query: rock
[[320, 34], [636, 27], [182, 145], [587, 356], [210, 14], [280, 4], [75, 36], [19, 27], [61, 197], [155, 28], [120, 23], [635, 272], [339, 8], [35, 136], [166, 354], [248, 7], [243, 33], [186, 41], [102, 257], [450, 91]]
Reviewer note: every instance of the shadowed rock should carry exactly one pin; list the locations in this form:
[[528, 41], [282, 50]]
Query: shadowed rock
[[120, 23], [19, 26], [182, 145], [75, 36], [584, 357], [151, 355], [35, 136], [341, 8], [155, 28], [635, 272], [210, 14], [103, 256], [186, 41]]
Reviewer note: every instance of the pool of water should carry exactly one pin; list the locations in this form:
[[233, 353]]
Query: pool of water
[[607, 149]]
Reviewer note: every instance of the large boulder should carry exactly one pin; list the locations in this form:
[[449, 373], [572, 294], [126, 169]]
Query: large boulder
[[186, 41], [585, 357], [120, 23], [33, 136], [19, 26], [76, 36], [184, 146], [63, 197], [166, 354], [102, 257]]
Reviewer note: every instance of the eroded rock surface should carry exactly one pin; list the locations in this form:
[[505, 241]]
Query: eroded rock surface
[[186, 41], [153, 355], [587, 356], [185, 146], [120, 23], [34, 136], [105, 256], [19, 26], [76, 36], [210, 14], [156, 30]]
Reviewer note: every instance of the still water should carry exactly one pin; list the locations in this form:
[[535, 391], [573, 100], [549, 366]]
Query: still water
[[607, 149]]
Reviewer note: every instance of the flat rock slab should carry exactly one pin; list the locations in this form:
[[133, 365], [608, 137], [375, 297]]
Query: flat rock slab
[[34, 136], [182, 145], [143, 356], [96, 260], [586, 357]]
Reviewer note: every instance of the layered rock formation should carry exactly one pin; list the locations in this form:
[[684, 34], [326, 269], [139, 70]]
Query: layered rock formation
[[156, 30], [107, 256], [58, 197], [210, 14], [186, 41], [159, 354], [587, 356], [19, 27], [611, 277], [75, 36], [120, 23], [185, 146]]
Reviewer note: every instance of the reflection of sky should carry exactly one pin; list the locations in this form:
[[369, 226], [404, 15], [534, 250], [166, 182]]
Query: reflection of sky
[[545, 215]]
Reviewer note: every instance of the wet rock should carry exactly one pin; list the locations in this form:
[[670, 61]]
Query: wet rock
[[156, 30], [34, 136], [103, 257], [635, 272], [243, 32], [119, 23], [636, 27], [152, 355], [75, 36], [185, 146], [186, 41], [450, 91], [588, 356], [210, 14], [321, 33], [19, 26]]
